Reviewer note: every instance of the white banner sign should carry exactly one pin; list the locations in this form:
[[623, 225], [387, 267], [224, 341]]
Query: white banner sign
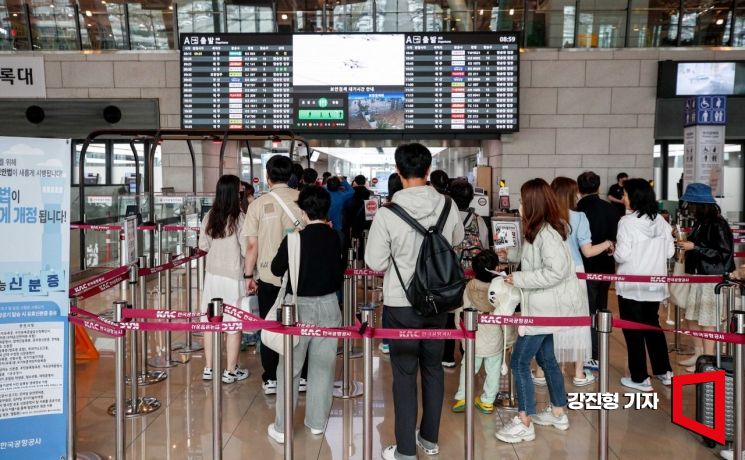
[[22, 77]]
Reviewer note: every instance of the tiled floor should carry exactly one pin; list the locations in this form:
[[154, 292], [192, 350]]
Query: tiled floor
[[182, 428]]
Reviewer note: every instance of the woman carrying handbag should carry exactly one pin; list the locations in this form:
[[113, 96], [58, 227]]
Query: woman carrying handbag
[[319, 259]]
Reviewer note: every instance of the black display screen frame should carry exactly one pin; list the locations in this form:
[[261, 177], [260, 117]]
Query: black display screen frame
[[491, 133]]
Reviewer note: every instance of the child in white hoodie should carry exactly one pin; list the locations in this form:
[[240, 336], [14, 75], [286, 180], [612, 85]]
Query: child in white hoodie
[[489, 338]]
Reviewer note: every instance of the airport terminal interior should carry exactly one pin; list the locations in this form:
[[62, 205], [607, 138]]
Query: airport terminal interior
[[160, 99]]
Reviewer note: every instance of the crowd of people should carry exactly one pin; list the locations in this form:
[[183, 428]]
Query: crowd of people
[[567, 228]]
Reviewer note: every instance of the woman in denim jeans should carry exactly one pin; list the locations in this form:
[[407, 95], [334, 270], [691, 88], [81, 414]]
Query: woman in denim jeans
[[550, 288]]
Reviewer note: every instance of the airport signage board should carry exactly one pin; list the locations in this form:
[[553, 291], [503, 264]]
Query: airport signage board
[[22, 77], [437, 83]]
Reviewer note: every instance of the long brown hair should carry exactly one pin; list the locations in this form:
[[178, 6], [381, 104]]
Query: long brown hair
[[540, 207], [566, 194]]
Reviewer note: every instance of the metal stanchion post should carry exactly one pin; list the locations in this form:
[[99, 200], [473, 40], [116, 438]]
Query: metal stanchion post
[[165, 360], [146, 377], [190, 346], [159, 261], [731, 305], [136, 405], [216, 306], [470, 319], [368, 317], [354, 352], [604, 326], [288, 319], [119, 404], [122, 262], [737, 325], [347, 388]]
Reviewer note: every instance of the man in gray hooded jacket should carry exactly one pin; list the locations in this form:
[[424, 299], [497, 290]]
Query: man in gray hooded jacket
[[392, 238]]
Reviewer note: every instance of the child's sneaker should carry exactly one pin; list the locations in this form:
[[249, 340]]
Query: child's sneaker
[[484, 408], [459, 406]]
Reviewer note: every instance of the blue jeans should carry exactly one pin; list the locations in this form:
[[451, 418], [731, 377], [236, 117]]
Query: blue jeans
[[540, 347]]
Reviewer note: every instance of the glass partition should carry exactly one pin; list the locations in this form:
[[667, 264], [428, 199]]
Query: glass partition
[[654, 23], [95, 164], [601, 24], [104, 26], [14, 31], [53, 27], [550, 23], [151, 28]]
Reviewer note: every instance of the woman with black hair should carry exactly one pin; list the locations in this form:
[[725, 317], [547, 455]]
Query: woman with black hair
[[440, 181], [321, 273], [220, 238], [708, 251], [643, 245]]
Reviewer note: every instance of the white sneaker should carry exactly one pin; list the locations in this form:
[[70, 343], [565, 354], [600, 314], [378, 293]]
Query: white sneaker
[[236, 376], [666, 378], [547, 418], [644, 386], [448, 364], [429, 448], [303, 385], [314, 431], [383, 347], [270, 387], [588, 380], [728, 454], [274, 434], [538, 381], [207, 374], [516, 432], [389, 453]]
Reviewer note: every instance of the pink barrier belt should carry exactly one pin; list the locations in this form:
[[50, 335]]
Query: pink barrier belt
[[368, 272], [94, 322], [684, 279], [168, 265], [97, 228], [131, 313], [111, 227], [98, 284], [706, 335], [535, 320]]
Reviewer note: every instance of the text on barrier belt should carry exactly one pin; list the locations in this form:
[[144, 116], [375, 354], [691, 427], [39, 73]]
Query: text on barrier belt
[[114, 227], [94, 322]]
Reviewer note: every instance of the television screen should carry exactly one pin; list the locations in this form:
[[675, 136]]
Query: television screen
[[705, 78], [351, 83]]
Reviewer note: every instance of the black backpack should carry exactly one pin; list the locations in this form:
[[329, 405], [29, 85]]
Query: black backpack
[[439, 280]]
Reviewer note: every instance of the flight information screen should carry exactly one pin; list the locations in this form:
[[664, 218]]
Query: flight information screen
[[346, 83]]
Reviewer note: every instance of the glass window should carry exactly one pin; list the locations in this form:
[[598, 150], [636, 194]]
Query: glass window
[[657, 162], [602, 24], [507, 16], [13, 28], [103, 27], [401, 15], [123, 165], [705, 23], [245, 18], [739, 38], [199, 17], [674, 170], [53, 27], [550, 23], [150, 28], [732, 204], [654, 23], [95, 164]]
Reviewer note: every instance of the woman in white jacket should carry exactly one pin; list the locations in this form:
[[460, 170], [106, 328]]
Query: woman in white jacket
[[643, 245], [550, 289]]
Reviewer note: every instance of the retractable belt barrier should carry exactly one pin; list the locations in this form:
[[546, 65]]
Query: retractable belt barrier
[[110, 228]]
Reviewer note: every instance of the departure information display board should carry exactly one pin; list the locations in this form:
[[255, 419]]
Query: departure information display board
[[436, 83]]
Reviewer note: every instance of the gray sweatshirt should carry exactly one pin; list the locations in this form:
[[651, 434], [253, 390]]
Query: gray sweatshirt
[[390, 237]]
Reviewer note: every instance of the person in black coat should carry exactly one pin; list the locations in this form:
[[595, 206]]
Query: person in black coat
[[354, 214], [709, 250], [603, 219]]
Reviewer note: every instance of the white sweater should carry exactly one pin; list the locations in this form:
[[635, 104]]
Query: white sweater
[[643, 247]]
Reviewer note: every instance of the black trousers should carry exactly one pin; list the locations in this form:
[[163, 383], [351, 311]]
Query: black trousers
[[448, 355], [597, 294], [408, 357], [267, 294], [640, 343]]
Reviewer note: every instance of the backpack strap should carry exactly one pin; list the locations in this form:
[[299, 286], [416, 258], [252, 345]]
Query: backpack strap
[[445, 214], [406, 217], [295, 220], [468, 216]]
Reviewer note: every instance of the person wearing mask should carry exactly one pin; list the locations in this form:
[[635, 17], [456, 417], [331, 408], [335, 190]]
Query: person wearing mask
[[439, 180], [709, 250], [354, 213], [394, 185], [643, 245], [320, 276], [309, 177], [603, 220], [573, 344], [391, 239], [615, 193], [475, 240], [266, 224], [246, 195], [549, 288], [223, 277]]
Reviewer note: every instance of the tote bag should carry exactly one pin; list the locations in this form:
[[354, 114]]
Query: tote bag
[[679, 291], [275, 340]]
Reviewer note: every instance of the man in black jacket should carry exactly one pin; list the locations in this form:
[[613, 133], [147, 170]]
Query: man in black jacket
[[354, 214], [603, 218]]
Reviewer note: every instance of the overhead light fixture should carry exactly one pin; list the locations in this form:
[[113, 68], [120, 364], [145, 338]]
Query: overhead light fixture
[[15, 15], [481, 12], [720, 21], [512, 12], [88, 13], [283, 16], [170, 7]]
